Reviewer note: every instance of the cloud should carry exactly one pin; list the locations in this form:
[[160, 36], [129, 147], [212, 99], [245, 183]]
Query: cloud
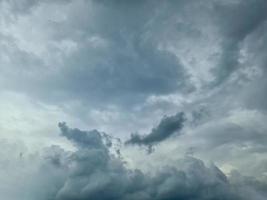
[[92, 172], [98, 174], [103, 64], [91, 139], [166, 127], [115, 52], [115, 66], [248, 17]]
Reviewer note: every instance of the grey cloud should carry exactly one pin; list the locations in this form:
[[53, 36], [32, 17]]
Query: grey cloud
[[99, 175], [91, 139], [125, 78], [120, 56], [241, 140], [248, 16], [254, 95], [92, 172], [237, 21], [167, 127], [122, 52], [229, 134], [25, 6], [125, 67], [199, 115], [236, 141], [244, 185]]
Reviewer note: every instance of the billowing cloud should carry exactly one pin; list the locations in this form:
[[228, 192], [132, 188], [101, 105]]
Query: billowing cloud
[[92, 172], [166, 127], [118, 66], [98, 174], [91, 139]]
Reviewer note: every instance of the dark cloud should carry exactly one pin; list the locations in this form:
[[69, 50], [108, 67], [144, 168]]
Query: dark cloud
[[231, 135], [167, 127], [125, 77], [94, 173], [118, 57], [121, 53], [118, 54], [25, 6], [241, 18], [237, 21], [254, 95], [91, 139]]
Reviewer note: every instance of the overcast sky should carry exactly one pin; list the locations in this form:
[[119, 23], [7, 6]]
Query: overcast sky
[[133, 99]]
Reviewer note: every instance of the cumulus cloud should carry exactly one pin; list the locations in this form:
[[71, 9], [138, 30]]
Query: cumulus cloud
[[92, 172], [166, 127], [91, 139], [98, 174]]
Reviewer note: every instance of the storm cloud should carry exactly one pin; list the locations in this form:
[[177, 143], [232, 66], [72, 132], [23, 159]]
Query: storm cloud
[[116, 68], [98, 174], [92, 172]]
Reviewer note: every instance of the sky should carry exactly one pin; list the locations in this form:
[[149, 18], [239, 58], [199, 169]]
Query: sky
[[133, 99]]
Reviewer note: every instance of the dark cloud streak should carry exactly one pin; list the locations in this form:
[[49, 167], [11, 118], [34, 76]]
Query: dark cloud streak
[[166, 127]]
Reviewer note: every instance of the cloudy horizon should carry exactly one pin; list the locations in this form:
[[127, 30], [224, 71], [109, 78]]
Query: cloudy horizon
[[133, 99]]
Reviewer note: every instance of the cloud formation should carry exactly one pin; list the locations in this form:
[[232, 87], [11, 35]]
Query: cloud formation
[[114, 52], [92, 172], [118, 66], [166, 127]]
